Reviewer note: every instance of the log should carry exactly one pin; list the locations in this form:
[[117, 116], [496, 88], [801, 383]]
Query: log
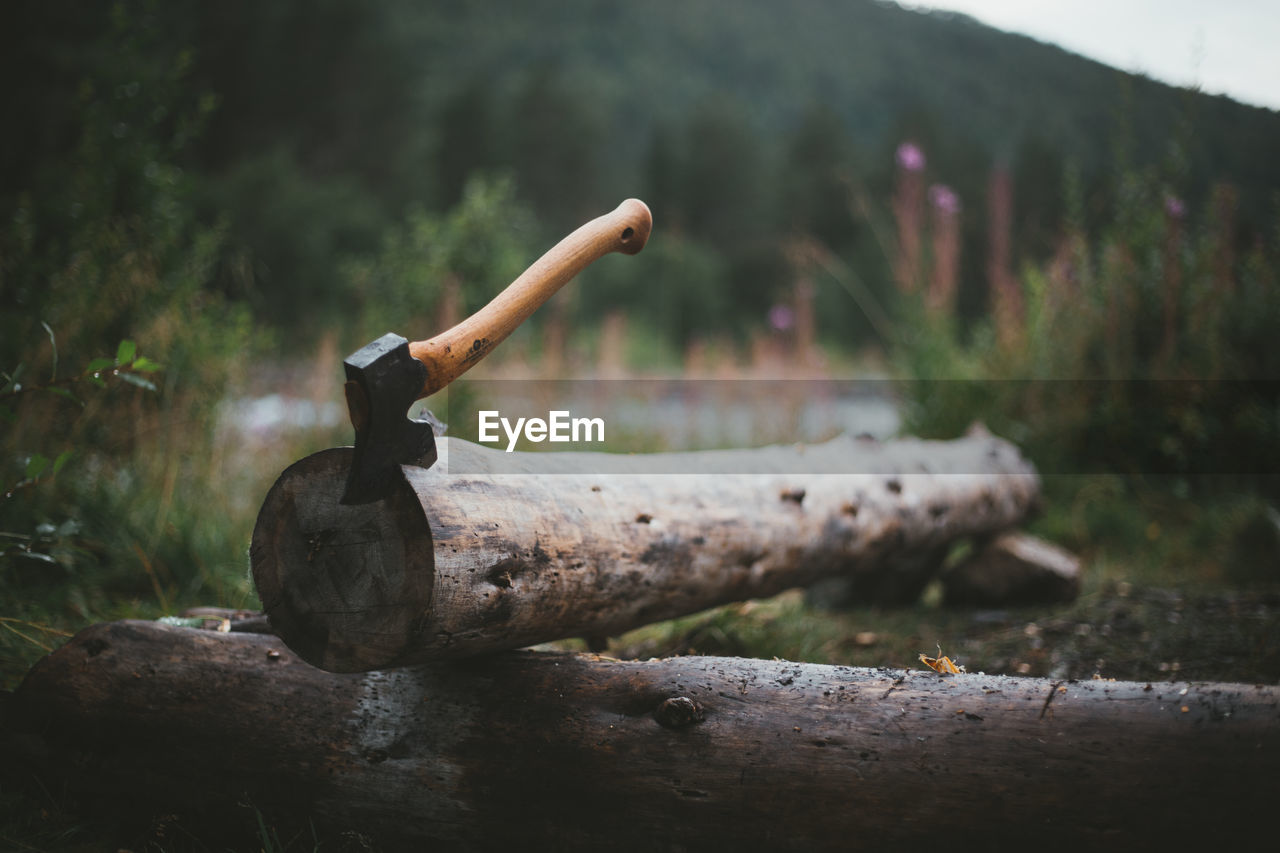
[[536, 750], [488, 551], [1013, 569]]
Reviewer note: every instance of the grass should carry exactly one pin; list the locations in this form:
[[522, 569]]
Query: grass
[[40, 820], [162, 525]]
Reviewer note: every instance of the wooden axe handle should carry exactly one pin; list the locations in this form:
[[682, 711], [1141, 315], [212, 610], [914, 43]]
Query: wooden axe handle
[[450, 354]]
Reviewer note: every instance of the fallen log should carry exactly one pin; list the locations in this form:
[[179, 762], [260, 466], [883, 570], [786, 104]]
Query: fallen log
[[1014, 568], [535, 750], [488, 551]]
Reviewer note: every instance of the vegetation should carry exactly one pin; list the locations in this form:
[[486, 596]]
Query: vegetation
[[744, 128], [205, 204], [1142, 351], [96, 254], [176, 191]]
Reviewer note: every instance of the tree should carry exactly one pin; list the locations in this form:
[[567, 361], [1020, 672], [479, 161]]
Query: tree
[[555, 144], [1038, 173], [725, 179], [815, 185], [465, 140]]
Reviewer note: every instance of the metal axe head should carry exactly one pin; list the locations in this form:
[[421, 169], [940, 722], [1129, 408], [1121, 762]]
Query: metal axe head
[[386, 376], [383, 380]]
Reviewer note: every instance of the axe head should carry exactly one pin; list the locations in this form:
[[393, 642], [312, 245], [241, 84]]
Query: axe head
[[383, 380]]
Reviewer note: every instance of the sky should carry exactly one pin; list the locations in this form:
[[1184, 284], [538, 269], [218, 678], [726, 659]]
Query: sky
[[1229, 47]]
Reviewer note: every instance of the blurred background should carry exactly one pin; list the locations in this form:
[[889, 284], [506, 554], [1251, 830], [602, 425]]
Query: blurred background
[[205, 206]]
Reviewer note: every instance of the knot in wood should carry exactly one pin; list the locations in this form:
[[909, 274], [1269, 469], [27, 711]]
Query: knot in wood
[[678, 712]]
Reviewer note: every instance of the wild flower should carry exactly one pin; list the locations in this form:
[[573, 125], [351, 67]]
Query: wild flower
[[910, 157], [781, 318], [944, 198]]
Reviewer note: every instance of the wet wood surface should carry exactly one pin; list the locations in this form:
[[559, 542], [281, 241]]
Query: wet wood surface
[[533, 750]]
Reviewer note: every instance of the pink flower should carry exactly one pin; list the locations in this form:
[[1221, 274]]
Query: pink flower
[[1174, 207], [944, 198], [910, 157], [781, 318]]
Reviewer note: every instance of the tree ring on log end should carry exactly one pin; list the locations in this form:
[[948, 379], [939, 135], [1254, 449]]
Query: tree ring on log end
[[346, 587]]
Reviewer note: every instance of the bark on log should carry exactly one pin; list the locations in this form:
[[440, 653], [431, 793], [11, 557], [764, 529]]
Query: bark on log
[[454, 564], [529, 750]]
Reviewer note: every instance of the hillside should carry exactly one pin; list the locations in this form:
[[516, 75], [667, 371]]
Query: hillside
[[740, 122], [878, 66]]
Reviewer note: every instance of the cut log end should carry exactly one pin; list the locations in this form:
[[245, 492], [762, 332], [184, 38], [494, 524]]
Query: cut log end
[[319, 563]]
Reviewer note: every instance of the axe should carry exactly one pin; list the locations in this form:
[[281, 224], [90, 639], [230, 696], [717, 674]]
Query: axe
[[386, 376]]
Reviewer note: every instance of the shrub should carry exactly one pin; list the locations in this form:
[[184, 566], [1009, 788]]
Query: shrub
[[1144, 350]]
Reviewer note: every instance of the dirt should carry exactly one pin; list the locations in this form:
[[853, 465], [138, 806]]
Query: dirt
[[1146, 634], [1121, 631]]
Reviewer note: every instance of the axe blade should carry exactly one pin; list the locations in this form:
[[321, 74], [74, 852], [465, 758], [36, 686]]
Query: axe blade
[[389, 380]]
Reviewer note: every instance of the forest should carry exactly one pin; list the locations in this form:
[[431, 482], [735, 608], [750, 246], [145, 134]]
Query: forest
[[205, 206], [308, 137]]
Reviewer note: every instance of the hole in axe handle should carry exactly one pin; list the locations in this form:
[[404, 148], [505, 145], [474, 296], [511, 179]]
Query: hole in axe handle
[[346, 587]]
